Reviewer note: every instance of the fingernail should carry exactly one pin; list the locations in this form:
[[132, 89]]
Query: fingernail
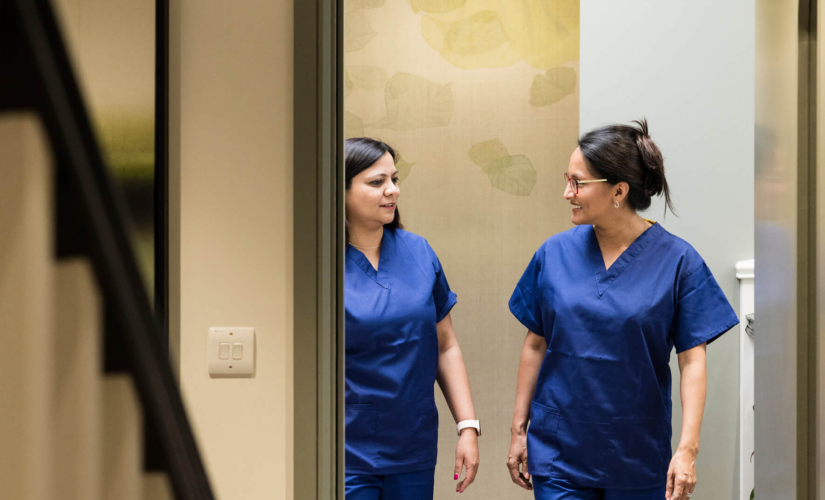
[[455, 477]]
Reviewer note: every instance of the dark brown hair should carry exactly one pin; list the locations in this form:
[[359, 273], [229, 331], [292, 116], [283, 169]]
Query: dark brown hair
[[359, 154], [625, 153]]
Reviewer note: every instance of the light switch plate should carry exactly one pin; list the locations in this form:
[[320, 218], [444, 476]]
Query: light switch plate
[[244, 367]]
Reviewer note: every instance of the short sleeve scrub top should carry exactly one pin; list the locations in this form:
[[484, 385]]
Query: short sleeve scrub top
[[601, 413], [392, 355]]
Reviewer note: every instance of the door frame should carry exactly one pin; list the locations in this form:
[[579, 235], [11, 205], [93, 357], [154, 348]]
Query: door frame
[[318, 250]]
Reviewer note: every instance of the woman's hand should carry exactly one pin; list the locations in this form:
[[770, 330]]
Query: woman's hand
[[466, 455], [681, 476], [518, 457], [532, 355]]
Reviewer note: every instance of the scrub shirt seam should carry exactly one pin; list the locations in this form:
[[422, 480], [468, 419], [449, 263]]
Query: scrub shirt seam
[[697, 289], [521, 317], [688, 273], [453, 300], [717, 333]]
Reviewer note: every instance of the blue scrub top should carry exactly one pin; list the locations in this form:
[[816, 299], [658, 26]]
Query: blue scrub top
[[392, 355], [601, 412]]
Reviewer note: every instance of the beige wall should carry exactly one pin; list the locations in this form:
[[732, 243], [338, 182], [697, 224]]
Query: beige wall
[[231, 228], [112, 44], [27, 373]]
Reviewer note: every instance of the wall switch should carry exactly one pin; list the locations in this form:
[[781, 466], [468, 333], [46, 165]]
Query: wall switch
[[241, 341]]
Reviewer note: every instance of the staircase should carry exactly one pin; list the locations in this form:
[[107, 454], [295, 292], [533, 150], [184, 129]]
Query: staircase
[[90, 408]]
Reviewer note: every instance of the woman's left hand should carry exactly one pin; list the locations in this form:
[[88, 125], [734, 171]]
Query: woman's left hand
[[466, 455], [681, 476]]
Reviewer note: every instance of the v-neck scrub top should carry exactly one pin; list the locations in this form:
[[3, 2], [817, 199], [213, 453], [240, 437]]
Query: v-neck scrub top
[[601, 412], [392, 355]]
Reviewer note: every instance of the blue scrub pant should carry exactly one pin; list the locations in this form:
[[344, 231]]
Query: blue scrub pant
[[410, 486], [546, 488]]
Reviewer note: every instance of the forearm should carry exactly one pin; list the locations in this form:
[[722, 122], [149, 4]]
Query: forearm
[[693, 390], [532, 355], [455, 384]]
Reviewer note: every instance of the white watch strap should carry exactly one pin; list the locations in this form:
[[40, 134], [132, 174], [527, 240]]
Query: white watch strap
[[468, 423]]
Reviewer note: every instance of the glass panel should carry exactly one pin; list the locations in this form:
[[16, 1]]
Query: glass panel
[[776, 234]]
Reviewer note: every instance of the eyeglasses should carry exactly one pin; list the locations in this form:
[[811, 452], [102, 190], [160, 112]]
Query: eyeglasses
[[574, 183]]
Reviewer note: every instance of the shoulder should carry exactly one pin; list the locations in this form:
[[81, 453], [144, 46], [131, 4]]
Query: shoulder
[[418, 245], [573, 237], [679, 251], [410, 239]]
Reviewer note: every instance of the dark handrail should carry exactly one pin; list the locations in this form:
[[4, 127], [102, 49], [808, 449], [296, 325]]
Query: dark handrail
[[54, 93]]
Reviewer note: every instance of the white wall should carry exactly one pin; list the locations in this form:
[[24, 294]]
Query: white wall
[[231, 232], [688, 67]]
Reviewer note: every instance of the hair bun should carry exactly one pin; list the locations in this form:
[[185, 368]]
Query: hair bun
[[642, 130], [651, 159], [626, 153]]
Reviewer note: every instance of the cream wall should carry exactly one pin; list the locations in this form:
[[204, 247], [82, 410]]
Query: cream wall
[[231, 232], [112, 44]]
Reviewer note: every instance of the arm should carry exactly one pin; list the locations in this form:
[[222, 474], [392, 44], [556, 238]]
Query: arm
[[693, 389], [532, 355], [455, 385]]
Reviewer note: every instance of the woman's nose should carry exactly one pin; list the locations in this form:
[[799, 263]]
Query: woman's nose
[[568, 192], [392, 190]]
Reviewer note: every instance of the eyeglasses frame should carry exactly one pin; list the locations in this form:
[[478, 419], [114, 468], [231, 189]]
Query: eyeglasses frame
[[575, 186]]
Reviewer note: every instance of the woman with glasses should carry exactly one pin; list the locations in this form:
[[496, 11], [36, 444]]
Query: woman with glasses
[[604, 304], [399, 342]]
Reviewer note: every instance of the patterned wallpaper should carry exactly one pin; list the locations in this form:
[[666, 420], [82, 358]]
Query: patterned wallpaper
[[481, 100]]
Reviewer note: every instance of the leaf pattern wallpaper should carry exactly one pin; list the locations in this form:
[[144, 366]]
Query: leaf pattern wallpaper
[[512, 174], [481, 100]]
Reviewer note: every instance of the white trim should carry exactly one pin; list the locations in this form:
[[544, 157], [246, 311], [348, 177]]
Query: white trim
[[745, 269], [745, 273]]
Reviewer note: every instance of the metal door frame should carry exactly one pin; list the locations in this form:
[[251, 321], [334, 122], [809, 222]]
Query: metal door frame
[[318, 250]]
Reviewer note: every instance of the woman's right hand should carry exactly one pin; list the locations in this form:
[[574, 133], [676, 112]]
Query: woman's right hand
[[518, 458], [532, 354]]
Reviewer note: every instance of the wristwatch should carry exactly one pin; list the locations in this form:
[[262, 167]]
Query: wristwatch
[[468, 423]]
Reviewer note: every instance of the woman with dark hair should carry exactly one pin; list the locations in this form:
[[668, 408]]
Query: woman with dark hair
[[399, 342], [604, 304]]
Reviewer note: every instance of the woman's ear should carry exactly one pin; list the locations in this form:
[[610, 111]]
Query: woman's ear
[[620, 191]]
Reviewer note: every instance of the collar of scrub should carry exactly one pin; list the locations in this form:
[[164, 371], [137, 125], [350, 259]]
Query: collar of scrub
[[381, 276], [606, 277]]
